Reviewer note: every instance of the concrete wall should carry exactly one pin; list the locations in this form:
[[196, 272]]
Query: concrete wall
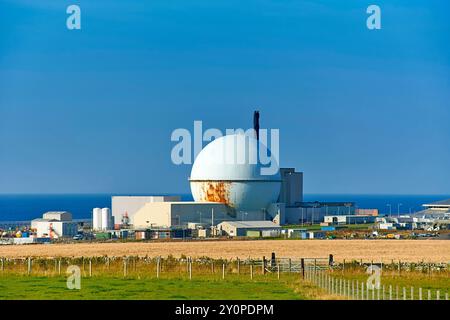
[[132, 204]]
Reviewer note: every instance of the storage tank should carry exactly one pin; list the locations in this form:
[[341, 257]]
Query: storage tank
[[96, 218], [106, 213], [227, 171]]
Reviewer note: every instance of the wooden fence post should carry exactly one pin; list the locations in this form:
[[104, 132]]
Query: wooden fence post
[[158, 263], [251, 272], [278, 271], [29, 266], [90, 267], [238, 266], [190, 269], [125, 267], [420, 293], [302, 262], [263, 265], [223, 271]]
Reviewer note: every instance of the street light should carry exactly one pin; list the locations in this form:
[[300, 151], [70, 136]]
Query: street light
[[398, 209], [390, 209]]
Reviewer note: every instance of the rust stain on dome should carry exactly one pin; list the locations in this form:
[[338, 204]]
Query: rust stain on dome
[[216, 191]]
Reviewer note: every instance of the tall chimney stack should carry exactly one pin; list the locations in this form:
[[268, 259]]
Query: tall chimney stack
[[256, 123]]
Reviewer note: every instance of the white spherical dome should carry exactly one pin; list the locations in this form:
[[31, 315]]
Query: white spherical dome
[[227, 170]]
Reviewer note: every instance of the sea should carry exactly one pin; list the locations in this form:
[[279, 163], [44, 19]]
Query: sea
[[25, 207]]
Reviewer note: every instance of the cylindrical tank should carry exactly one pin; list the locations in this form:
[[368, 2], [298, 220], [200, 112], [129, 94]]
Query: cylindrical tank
[[105, 218], [96, 218], [229, 170]]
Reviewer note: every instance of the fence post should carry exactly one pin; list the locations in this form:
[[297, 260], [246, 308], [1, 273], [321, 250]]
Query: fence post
[[157, 267], [357, 290], [404, 293], [90, 267], [343, 267], [429, 294], [390, 292], [438, 295], [3, 264], [278, 271], [290, 265], [59, 266], [190, 269], [302, 263], [29, 266], [251, 272], [362, 291], [446, 296], [223, 270], [397, 293], [212, 267], [263, 265], [238, 266], [125, 267], [420, 293], [412, 293]]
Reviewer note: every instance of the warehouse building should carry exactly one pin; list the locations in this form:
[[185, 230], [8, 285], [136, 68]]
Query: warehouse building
[[250, 228], [183, 213], [127, 206], [349, 219], [55, 224]]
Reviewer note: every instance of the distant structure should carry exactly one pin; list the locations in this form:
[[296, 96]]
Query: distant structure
[[229, 191], [102, 219], [54, 225]]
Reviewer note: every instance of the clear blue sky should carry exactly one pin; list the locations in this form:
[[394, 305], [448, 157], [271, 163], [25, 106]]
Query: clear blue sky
[[90, 111]]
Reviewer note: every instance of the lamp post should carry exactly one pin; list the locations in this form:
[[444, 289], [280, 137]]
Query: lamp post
[[390, 209], [398, 209]]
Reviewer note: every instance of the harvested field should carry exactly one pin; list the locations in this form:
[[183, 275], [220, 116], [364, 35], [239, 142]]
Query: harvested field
[[385, 250]]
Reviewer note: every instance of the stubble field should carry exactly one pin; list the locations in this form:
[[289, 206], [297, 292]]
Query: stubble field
[[377, 250]]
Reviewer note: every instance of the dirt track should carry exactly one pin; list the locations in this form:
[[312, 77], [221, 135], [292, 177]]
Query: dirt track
[[385, 250]]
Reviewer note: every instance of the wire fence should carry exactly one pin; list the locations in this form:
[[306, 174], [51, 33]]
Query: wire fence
[[344, 280]]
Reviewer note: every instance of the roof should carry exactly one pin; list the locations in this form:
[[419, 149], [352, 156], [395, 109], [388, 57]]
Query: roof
[[443, 203], [252, 224]]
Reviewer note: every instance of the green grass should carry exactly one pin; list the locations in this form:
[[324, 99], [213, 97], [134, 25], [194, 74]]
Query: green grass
[[98, 288]]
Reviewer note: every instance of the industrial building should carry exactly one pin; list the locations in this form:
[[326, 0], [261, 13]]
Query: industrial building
[[349, 219], [182, 213], [314, 212], [228, 186], [55, 224], [250, 228], [125, 207]]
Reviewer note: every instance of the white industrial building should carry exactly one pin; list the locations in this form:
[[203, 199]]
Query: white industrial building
[[55, 224], [241, 228], [349, 219], [228, 186], [127, 206]]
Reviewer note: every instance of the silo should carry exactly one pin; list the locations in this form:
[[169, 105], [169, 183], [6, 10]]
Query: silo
[[96, 218], [106, 213]]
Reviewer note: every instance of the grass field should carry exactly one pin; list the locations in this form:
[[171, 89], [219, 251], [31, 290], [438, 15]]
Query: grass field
[[205, 288], [377, 250], [171, 278]]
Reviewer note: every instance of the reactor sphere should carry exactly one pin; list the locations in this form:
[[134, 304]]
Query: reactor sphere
[[228, 170]]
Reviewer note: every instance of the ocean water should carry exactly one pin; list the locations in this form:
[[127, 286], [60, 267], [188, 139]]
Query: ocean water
[[27, 207]]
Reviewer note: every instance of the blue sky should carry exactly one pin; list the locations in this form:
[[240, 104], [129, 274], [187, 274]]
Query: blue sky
[[90, 111]]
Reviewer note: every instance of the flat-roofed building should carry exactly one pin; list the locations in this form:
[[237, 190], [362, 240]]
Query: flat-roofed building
[[242, 228], [128, 205]]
